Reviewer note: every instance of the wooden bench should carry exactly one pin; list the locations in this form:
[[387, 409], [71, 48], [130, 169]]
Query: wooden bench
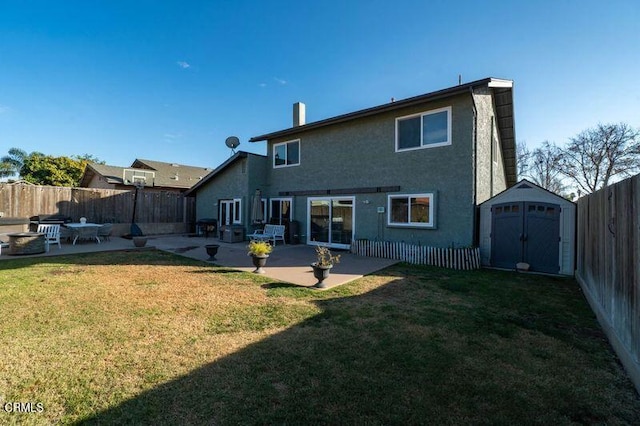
[[270, 232]]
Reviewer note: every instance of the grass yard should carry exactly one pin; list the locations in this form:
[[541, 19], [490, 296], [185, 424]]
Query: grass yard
[[155, 338]]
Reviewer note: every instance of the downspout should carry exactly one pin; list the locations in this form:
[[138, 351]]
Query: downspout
[[474, 168]]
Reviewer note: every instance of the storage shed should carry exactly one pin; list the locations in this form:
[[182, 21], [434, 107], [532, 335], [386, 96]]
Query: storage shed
[[527, 223]]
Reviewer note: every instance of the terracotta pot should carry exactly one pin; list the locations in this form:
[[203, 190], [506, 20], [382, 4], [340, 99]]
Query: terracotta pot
[[139, 241]]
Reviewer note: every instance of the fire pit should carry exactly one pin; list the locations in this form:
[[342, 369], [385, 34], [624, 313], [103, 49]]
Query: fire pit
[[26, 243]]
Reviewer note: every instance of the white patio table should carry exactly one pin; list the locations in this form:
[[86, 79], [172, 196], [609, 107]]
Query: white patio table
[[84, 230]]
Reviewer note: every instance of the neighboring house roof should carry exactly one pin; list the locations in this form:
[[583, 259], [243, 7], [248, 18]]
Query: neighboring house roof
[[166, 175], [504, 110], [172, 174], [235, 157]]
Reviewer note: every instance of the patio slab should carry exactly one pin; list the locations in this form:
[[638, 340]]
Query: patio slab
[[287, 263]]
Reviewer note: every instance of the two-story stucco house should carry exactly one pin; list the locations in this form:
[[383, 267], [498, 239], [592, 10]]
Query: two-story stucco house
[[411, 170]]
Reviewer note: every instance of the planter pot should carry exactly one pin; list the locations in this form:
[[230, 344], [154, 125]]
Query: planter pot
[[259, 262], [212, 250], [321, 273], [139, 241]]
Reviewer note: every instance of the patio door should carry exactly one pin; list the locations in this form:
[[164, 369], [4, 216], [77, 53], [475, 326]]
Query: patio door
[[226, 209], [330, 221]]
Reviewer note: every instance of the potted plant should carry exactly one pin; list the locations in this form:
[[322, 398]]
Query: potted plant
[[259, 252], [140, 241], [323, 264], [212, 250]]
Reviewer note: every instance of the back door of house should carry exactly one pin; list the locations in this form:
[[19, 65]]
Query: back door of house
[[526, 232]]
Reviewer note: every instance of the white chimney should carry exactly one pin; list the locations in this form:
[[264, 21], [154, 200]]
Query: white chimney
[[299, 114]]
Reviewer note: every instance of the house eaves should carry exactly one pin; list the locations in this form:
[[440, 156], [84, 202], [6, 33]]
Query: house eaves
[[503, 93]]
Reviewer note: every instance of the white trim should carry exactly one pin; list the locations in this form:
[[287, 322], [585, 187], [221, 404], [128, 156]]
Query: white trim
[[430, 224], [353, 221], [422, 115], [497, 82], [285, 150], [231, 210]]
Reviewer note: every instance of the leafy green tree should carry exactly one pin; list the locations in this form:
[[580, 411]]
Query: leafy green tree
[[55, 171]]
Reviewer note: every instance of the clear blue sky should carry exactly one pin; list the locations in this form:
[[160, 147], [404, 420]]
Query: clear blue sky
[[170, 80]]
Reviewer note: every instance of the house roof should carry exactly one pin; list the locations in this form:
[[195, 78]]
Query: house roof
[[504, 110], [172, 175], [235, 157], [167, 175]]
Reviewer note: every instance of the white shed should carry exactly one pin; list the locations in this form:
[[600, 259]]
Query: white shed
[[527, 223]]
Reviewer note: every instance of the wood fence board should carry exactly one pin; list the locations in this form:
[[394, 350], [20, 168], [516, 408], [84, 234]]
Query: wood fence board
[[97, 205], [608, 262]]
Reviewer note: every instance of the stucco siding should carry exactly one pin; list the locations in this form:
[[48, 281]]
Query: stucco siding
[[229, 185], [491, 178], [361, 154]]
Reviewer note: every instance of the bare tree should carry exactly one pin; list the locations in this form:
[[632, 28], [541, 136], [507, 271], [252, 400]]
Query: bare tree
[[599, 155], [523, 155], [541, 166], [545, 167]]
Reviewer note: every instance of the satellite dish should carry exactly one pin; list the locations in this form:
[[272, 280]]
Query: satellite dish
[[232, 142]]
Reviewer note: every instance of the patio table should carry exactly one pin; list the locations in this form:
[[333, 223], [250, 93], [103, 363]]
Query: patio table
[[77, 227]]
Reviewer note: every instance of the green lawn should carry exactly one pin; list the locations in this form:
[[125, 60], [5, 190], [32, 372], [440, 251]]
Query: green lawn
[[155, 338]]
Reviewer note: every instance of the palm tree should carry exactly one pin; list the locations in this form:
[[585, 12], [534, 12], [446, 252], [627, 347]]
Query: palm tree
[[11, 164]]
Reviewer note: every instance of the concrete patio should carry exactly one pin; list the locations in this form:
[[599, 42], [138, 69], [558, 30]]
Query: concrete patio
[[287, 263]]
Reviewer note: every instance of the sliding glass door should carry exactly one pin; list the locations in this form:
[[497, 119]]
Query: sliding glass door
[[330, 221]]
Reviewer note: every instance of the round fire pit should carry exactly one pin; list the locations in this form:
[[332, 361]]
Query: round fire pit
[[26, 243]]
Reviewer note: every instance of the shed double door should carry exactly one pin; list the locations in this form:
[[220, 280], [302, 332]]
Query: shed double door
[[526, 232]]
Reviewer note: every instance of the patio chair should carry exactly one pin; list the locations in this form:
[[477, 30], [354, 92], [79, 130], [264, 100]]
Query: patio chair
[[51, 235], [88, 233], [66, 234], [104, 231]]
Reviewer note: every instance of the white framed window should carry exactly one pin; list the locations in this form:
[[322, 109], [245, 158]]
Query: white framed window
[[281, 210], [424, 130], [414, 210], [237, 211], [286, 154]]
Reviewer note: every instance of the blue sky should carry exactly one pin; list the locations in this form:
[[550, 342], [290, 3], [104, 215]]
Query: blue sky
[[169, 81]]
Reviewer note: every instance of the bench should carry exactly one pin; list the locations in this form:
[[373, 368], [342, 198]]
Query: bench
[[270, 232]]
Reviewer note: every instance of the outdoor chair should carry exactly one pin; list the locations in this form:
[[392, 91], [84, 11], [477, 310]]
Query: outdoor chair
[[270, 232], [86, 233], [104, 231], [51, 235], [66, 234]]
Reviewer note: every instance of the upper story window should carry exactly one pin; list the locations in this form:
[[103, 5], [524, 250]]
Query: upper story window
[[424, 130], [286, 154]]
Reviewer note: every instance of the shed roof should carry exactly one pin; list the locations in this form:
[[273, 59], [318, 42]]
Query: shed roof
[[530, 188]]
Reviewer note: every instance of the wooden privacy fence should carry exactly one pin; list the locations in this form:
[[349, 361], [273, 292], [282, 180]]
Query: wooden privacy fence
[[608, 265], [97, 205], [461, 258]]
